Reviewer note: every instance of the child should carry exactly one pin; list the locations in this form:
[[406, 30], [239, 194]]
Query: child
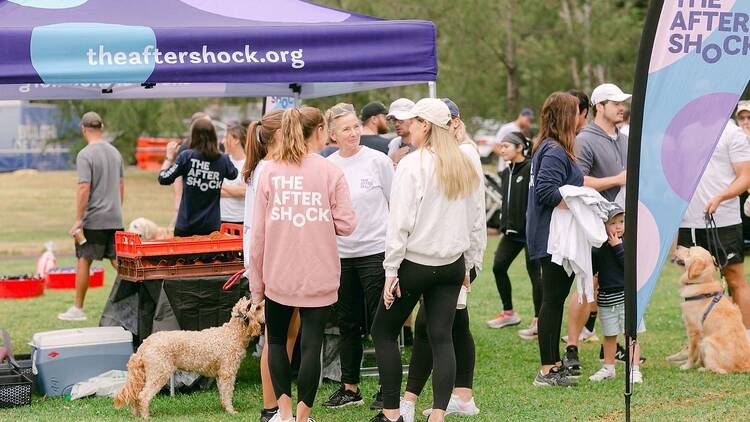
[[609, 263]]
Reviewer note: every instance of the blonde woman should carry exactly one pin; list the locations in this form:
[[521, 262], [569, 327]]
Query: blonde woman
[[369, 174], [431, 226], [420, 366], [301, 204]]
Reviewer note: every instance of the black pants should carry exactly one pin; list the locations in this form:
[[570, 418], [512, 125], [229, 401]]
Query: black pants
[[360, 291], [556, 286], [313, 321], [506, 252], [440, 287]]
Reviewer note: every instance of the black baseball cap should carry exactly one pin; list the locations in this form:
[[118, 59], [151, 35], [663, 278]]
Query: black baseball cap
[[373, 109]]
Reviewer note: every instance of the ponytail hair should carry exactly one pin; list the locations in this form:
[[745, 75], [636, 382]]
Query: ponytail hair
[[260, 135], [297, 126]]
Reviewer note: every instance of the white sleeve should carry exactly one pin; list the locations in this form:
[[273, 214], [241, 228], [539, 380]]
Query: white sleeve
[[402, 217], [386, 173], [738, 147], [474, 256], [394, 145]]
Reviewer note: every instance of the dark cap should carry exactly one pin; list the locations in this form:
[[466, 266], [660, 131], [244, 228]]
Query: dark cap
[[515, 138], [614, 211], [92, 120], [373, 109], [527, 112], [452, 107]]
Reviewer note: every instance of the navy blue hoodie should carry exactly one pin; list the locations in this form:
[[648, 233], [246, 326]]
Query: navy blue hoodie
[[551, 168]]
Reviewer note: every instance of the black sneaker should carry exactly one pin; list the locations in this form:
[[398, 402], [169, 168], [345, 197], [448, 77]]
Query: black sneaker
[[343, 397], [571, 363], [380, 417], [557, 377], [619, 354], [377, 403], [267, 414]]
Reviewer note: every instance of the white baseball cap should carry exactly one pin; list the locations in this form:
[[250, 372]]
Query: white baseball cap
[[608, 92], [431, 109], [400, 108]]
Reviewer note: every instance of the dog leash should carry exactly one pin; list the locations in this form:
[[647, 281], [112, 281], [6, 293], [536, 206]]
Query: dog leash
[[715, 247], [716, 298], [233, 280]]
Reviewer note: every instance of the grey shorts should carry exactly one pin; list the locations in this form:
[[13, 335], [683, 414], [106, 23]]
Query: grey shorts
[[100, 244], [612, 319]]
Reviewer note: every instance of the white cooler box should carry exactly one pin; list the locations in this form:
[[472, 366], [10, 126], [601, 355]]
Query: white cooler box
[[63, 358]]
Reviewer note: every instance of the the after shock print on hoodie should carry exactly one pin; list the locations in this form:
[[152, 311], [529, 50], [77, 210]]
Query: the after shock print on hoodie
[[200, 212]]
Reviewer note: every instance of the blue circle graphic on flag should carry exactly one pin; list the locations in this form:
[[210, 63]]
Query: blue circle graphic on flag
[[93, 53], [49, 4]]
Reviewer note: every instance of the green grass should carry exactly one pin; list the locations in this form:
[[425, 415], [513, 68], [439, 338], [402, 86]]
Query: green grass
[[505, 364]]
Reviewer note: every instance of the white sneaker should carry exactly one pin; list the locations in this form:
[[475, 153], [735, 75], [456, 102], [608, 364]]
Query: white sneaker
[[407, 410], [72, 314], [530, 333], [504, 319], [603, 374], [586, 336], [456, 406], [277, 418], [636, 376]]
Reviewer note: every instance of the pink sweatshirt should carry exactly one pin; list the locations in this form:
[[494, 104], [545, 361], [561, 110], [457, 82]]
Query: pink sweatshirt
[[299, 211]]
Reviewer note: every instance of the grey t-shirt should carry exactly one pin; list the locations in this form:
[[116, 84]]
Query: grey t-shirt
[[100, 164], [599, 155]]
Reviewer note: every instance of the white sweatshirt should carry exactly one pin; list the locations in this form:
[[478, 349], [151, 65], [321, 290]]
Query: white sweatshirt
[[574, 231], [252, 187], [369, 174], [479, 231], [424, 226]]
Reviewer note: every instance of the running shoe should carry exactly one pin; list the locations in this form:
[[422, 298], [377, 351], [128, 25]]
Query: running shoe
[[343, 398], [504, 319]]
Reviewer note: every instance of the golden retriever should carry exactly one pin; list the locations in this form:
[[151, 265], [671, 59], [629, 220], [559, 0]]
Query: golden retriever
[[148, 230], [719, 343]]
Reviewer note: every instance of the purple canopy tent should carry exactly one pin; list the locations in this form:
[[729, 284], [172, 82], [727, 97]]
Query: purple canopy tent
[[114, 49]]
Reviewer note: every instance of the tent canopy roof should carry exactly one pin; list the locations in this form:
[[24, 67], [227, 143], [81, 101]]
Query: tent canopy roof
[[51, 49]]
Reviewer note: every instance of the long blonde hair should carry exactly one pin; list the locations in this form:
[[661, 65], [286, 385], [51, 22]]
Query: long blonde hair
[[458, 130], [259, 138], [456, 175], [297, 125]]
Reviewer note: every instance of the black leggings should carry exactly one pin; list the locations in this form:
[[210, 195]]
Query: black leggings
[[420, 364], [506, 252], [556, 284], [313, 322], [440, 287]]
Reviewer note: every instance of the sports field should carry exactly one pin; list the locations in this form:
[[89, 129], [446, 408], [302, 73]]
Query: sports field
[[36, 207]]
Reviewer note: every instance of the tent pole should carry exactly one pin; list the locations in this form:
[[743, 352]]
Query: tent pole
[[432, 87]]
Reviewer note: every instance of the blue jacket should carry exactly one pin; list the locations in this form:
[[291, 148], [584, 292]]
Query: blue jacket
[[550, 168]]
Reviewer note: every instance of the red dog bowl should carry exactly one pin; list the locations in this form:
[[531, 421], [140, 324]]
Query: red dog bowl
[[65, 278]]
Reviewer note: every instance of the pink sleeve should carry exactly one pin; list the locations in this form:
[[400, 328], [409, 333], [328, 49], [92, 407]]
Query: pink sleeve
[[342, 210], [258, 235]]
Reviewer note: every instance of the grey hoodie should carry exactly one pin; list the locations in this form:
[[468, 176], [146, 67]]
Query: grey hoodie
[[598, 155]]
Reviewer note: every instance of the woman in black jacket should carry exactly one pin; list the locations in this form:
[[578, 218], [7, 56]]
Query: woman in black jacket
[[515, 190]]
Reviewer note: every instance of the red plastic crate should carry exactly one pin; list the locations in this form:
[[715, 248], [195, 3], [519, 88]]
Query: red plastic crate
[[133, 269], [20, 287], [130, 245], [65, 278]]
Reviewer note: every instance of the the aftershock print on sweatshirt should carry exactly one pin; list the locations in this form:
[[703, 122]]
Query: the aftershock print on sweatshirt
[[201, 176], [291, 202]]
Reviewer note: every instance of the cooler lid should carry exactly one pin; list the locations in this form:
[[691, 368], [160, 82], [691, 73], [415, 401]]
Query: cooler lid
[[81, 337]]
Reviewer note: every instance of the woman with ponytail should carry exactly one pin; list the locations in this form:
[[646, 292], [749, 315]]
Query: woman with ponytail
[[263, 140], [301, 204], [432, 242]]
